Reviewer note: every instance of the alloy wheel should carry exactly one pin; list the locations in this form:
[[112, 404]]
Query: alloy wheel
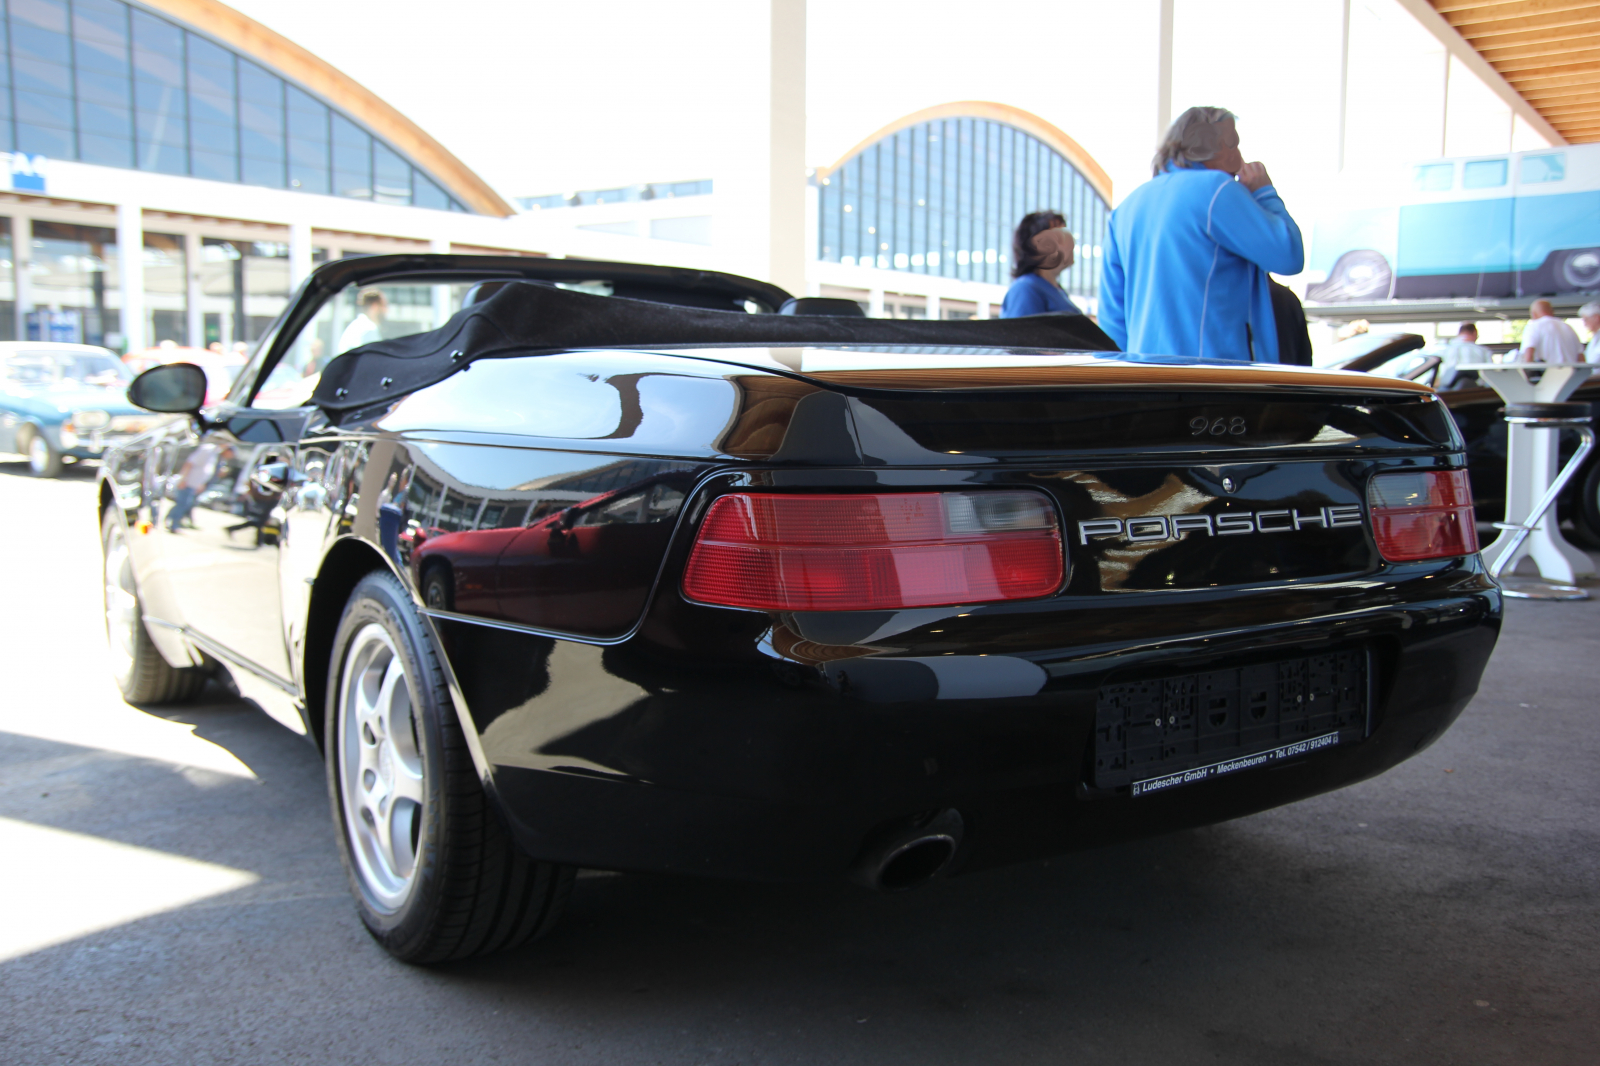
[[38, 454], [380, 768]]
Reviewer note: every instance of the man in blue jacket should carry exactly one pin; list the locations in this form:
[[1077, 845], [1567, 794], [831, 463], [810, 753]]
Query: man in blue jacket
[[1188, 253]]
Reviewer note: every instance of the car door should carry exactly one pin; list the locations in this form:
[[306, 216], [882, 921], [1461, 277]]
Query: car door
[[220, 535]]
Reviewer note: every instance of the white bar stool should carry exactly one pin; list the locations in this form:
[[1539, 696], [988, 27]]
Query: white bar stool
[[1553, 416]]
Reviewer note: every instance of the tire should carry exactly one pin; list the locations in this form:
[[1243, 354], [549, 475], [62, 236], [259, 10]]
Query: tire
[[43, 460], [142, 675], [1363, 274], [1580, 270], [437, 590], [435, 873]]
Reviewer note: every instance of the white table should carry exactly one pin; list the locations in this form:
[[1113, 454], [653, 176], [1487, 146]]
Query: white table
[[1532, 462]]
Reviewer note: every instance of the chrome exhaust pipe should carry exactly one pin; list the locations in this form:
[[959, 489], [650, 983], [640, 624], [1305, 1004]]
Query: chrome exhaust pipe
[[908, 853]]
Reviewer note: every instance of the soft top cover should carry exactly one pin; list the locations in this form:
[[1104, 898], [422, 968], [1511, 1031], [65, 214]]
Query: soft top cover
[[523, 318]]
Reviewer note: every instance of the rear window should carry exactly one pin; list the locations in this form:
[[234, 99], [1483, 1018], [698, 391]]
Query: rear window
[[61, 367]]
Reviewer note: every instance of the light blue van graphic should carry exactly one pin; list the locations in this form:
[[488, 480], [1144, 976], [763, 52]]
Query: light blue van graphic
[[1518, 225]]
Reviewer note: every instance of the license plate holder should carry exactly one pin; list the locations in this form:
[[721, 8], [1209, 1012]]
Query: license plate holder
[[1154, 734]]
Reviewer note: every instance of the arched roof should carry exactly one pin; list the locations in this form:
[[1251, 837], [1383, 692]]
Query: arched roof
[[278, 53], [1025, 121]]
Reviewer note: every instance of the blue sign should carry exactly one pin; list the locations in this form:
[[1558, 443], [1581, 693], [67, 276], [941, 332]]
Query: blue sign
[[27, 172]]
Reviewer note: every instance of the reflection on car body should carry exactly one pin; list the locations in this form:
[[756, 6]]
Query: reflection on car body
[[785, 605]]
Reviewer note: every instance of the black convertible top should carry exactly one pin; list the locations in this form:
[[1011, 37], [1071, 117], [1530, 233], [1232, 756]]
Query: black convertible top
[[526, 317]]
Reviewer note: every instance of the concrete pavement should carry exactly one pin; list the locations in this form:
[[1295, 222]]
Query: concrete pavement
[[171, 893]]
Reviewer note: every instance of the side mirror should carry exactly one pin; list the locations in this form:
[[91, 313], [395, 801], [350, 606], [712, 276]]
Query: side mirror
[[172, 388]]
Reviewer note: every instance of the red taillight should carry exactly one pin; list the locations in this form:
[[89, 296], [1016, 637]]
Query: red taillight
[[1423, 515], [875, 552]]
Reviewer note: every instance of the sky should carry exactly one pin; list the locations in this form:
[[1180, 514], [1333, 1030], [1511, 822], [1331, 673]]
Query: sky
[[543, 97]]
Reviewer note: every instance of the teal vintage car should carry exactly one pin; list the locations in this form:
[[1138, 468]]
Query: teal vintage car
[[64, 401]]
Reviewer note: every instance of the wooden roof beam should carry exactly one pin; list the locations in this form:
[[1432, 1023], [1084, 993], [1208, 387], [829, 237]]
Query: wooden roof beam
[[1457, 46]]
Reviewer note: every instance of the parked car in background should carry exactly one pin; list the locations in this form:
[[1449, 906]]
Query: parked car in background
[[64, 401], [1494, 226], [617, 568], [221, 368], [1479, 412]]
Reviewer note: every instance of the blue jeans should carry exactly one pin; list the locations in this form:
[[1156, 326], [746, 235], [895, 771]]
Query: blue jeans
[[182, 504]]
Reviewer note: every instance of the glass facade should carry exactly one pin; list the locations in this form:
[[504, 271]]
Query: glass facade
[[661, 190], [100, 81], [943, 197]]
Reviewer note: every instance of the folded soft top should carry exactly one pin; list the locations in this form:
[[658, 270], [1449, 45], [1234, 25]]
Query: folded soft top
[[524, 317]]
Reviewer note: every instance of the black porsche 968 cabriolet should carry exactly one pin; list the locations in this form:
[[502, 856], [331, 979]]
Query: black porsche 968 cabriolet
[[569, 564]]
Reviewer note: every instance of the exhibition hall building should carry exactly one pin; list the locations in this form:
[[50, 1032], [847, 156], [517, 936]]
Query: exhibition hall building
[[235, 161]]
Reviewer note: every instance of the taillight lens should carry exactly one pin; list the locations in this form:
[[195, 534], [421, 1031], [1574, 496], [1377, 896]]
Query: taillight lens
[[875, 552], [1424, 515]]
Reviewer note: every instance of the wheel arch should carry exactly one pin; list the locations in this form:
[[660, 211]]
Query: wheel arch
[[346, 563]]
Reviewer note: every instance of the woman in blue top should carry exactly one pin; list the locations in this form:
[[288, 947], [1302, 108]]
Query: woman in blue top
[[1041, 249]]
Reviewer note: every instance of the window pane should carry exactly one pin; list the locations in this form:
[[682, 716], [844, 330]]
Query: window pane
[[352, 160], [1435, 177], [391, 176], [268, 172], [44, 109], [105, 151], [426, 194], [101, 88], [1537, 169], [1484, 174], [100, 28], [111, 121], [41, 76], [42, 140], [166, 290], [39, 30], [213, 165]]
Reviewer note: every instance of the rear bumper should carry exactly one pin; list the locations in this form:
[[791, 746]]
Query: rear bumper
[[656, 755]]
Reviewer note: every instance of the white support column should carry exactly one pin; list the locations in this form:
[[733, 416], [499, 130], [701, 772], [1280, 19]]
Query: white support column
[[22, 260], [786, 171], [933, 306], [299, 253], [196, 322], [983, 308], [874, 303], [1344, 81], [1164, 70], [1444, 109], [130, 274], [441, 293], [760, 220]]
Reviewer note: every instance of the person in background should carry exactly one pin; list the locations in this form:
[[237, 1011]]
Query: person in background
[[1548, 339], [1041, 248], [364, 328], [1463, 348], [193, 477], [1188, 252], [1590, 313]]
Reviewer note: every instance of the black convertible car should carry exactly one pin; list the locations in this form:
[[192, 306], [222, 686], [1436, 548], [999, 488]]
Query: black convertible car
[[570, 564]]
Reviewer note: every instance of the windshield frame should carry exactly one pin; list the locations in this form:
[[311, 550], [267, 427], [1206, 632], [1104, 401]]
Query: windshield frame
[[698, 288]]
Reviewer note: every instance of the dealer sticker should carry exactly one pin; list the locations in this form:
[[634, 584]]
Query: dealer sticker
[[1234, 765]]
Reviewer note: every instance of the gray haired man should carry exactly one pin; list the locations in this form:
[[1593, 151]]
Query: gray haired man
[[1590, 313]]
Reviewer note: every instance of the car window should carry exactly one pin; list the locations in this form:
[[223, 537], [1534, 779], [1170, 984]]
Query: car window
[[1435, 177], [1484, 174], [65, 368], [1537, 169], [357, 315]]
